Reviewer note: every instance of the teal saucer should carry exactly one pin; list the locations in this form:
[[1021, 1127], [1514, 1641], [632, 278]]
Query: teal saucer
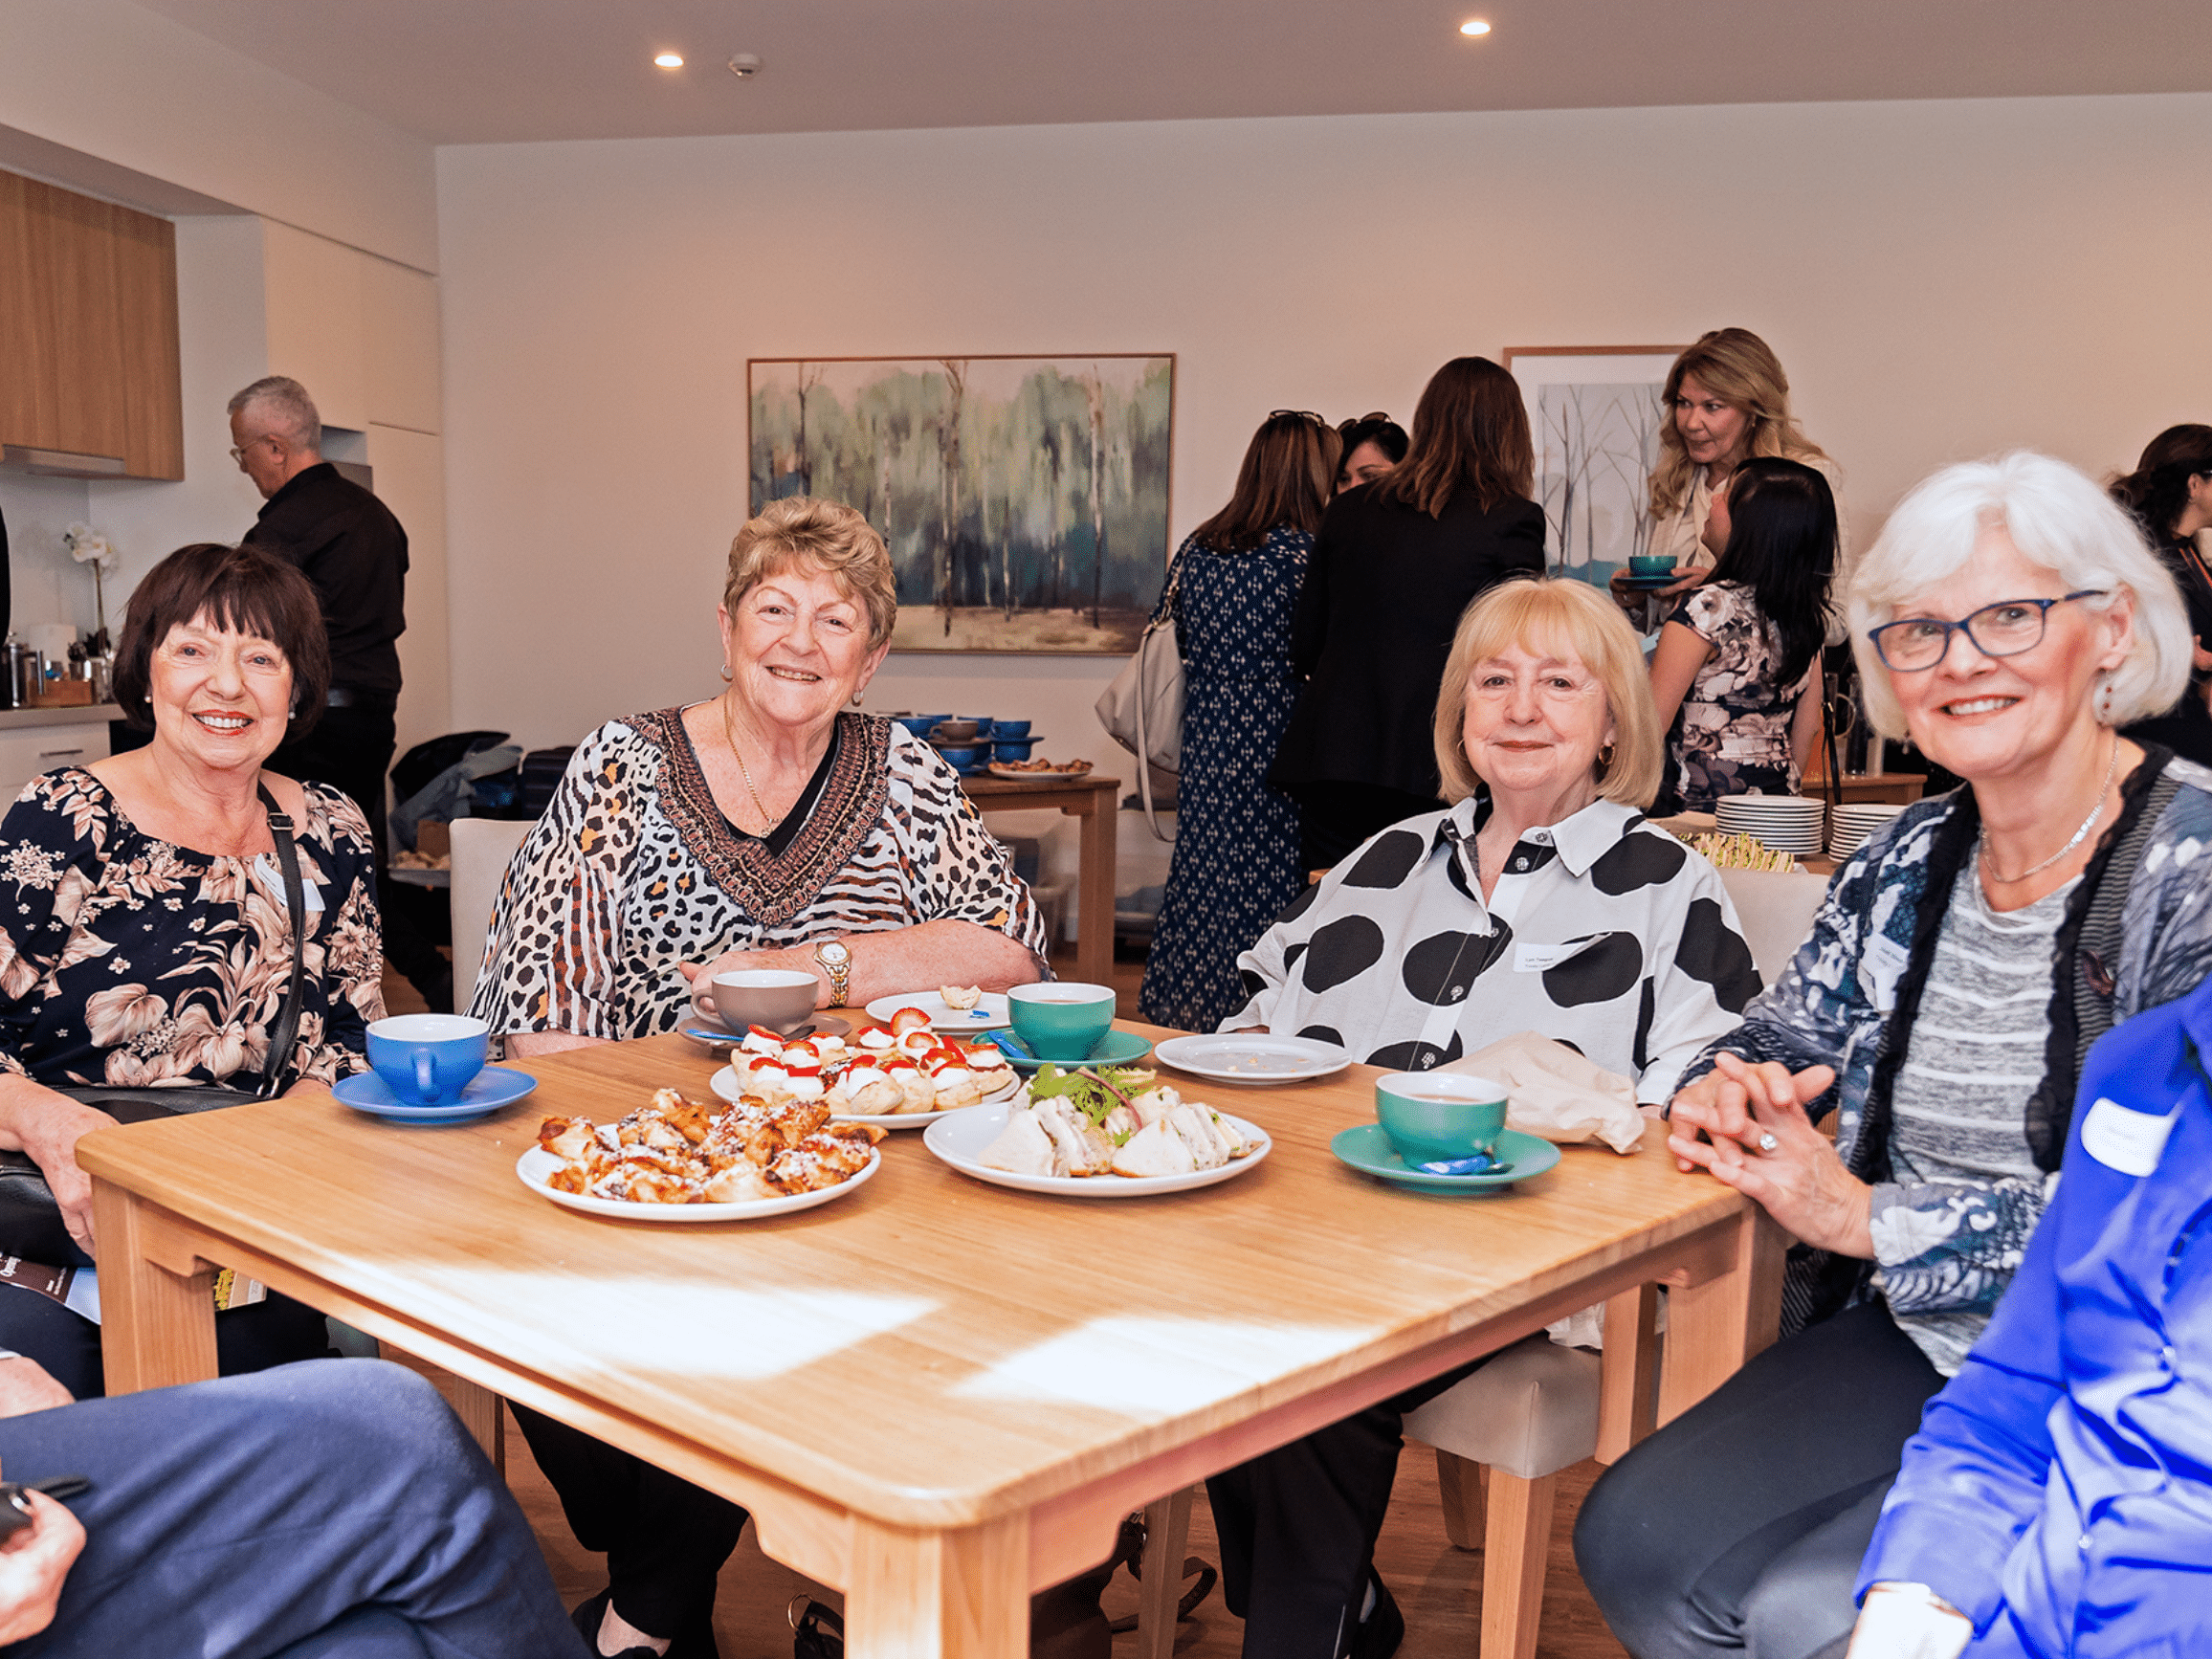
[[1368, 1150], [1113, 1048]]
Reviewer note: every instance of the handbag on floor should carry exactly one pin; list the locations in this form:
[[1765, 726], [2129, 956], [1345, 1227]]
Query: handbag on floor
[[31, 1225], [1142, 709]]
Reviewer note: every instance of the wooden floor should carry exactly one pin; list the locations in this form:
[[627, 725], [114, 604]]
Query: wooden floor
[[1438, 1587]]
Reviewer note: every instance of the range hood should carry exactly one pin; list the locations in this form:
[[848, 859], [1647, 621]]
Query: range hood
[[57, 463]]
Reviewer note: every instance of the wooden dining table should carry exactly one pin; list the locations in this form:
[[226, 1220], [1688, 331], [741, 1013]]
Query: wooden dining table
[[933, 1394]]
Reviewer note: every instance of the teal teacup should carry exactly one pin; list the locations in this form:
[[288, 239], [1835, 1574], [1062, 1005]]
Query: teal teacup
[[1650, 563], [1437, 1117], [1061, 1020], [428, 1059]]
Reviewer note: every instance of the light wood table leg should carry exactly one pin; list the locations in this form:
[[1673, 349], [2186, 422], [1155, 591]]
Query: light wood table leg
[[157, 1322], [1167, 1535], [951, 1595], [1516, 1536], [1095, 887], [1716, 1323], [1627, 1393], [483, 1413]]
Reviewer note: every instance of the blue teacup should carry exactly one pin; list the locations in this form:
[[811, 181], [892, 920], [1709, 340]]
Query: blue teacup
[[1650, 563], [428, 1059], [1003, 731], [1433, 1116], [1060, 1020], [1002, 750]]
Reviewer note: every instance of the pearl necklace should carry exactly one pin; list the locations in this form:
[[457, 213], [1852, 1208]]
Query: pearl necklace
[[2097, 811]]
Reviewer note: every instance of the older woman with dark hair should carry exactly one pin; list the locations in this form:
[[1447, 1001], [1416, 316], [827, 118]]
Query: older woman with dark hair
[[1394, 564], [771, 826], [148, 940], [1538, 902], [1230, 592], [2009, 619]]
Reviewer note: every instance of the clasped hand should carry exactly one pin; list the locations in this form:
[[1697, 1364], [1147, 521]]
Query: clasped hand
[[1746, 1126]]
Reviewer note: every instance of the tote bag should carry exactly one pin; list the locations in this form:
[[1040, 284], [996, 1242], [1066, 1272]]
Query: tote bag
[[1142, 709]]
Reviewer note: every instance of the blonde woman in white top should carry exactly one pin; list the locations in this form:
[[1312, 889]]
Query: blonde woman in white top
[[1727, 400]]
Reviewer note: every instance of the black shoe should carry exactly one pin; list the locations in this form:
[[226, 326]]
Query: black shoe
[[587, 1617], [1378, 1635]]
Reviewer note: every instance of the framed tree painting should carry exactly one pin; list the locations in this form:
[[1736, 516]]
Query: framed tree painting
[[1023, 498], [1595, 414]]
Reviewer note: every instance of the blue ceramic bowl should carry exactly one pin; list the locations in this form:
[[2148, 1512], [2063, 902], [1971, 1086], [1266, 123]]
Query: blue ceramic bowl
[[428, 1059], [961, 760], [1001, 750], [920, 725], [1001, 730]]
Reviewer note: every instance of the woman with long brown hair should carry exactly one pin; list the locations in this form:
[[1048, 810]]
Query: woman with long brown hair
[[1395, 563], [1230, 591], [2169, 496], [1726, 400]]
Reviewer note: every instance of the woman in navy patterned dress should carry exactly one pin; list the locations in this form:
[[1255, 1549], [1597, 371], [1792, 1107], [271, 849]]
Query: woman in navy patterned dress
[[1233, 588]]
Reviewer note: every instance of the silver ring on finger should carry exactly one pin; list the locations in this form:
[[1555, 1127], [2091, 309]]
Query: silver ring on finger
[[1767, 1142]]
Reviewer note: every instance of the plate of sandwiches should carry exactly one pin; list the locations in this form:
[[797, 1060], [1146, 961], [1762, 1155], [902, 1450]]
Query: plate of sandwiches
[[673, 1160], [1113, 1133], [895, 1077]]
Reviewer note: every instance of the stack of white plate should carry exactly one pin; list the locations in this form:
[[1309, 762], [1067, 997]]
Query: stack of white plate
[[1785, 823], [1855, 821]]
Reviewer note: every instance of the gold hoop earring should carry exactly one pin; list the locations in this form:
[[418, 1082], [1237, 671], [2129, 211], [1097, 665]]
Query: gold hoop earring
[[1605, 759], [855, 699]]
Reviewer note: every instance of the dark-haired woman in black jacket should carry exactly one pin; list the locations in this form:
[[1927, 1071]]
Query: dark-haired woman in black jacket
[[2170, 494], [1736, 675], [1395, 565]]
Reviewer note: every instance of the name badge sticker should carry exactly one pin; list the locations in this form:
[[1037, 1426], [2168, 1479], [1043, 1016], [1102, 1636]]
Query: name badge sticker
[[2122, 1138], [1542, 958], [269, 875]]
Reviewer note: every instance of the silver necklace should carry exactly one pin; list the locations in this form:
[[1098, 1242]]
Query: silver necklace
[[2097, 811]]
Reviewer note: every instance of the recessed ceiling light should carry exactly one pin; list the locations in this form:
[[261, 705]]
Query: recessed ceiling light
[[668, 59], [1475, 26], [745, 65]]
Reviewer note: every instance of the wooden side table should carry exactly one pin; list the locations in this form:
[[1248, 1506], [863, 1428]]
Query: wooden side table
[[1091, 800]]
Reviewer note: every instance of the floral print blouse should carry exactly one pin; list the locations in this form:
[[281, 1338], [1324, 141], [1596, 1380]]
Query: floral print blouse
[[1732, 737], [130, 961]]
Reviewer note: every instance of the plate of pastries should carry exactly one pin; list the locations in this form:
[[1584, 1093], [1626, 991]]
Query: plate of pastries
[[675, 1159]]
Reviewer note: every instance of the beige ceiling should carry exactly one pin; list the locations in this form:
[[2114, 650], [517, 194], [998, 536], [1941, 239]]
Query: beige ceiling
[[481, 70]]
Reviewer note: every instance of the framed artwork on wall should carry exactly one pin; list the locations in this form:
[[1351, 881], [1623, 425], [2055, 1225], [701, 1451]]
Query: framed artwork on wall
[[1023, 498], [1594, 416]]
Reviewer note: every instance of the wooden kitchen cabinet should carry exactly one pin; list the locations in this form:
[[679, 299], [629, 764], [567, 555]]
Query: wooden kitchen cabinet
[[88, 329]]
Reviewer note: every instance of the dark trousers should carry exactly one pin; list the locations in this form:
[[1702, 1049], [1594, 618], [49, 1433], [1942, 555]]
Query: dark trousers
[[276, 1332], [329, 1509], [1297, 1528], [665, 1539], [1739, 1527], [1334, 818], [351, 749]]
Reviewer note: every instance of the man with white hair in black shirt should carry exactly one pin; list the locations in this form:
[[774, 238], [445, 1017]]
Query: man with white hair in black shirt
[[353, 552]]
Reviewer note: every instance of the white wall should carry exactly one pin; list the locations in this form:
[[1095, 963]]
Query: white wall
[[1942, 280], [132, 88]]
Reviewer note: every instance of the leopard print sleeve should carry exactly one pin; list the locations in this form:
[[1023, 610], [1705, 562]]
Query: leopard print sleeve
[[554, 955], [965, 872]]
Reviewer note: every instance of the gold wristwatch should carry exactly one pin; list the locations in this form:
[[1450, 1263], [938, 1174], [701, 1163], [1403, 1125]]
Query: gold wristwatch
[[837, 963]]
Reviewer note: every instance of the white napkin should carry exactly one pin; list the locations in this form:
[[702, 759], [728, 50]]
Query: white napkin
[[1553, 1091]]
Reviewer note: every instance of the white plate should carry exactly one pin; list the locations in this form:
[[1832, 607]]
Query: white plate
[[988, 1014], [724, 1083], [959, 1138], [1252, 1057], [535, 1165]]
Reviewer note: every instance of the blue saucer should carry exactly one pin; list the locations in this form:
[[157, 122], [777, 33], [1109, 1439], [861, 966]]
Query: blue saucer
[[489, 1090], [1368, 1150], [1113, 1048]]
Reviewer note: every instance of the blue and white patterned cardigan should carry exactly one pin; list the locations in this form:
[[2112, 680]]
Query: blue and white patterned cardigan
[[1832, 1001]]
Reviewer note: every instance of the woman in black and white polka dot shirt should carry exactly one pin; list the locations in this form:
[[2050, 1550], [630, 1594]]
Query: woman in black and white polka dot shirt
[[1540, 901]]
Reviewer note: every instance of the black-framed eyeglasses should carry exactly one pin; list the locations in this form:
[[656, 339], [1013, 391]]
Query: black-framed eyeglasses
[[2005, 628]]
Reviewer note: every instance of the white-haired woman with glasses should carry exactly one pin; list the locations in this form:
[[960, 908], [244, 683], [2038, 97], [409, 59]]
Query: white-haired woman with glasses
[[2009, 619]]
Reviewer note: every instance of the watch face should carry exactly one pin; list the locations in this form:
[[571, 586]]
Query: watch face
[[833, 952]]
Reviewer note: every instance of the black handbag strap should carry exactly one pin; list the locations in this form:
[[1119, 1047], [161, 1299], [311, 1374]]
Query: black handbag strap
[[286, 1035]]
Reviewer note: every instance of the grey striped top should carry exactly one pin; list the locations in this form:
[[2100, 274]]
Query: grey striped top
[[1974, 1057]]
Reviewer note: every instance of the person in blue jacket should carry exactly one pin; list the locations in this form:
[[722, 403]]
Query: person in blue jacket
[[2058, 1496]]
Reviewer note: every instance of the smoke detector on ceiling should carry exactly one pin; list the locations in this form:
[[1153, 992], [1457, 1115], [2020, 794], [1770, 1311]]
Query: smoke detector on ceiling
[[745, 65]]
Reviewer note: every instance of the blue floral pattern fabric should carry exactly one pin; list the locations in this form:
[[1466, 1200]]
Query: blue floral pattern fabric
[[1832, 1001], [1235, 864], [133, 961]]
